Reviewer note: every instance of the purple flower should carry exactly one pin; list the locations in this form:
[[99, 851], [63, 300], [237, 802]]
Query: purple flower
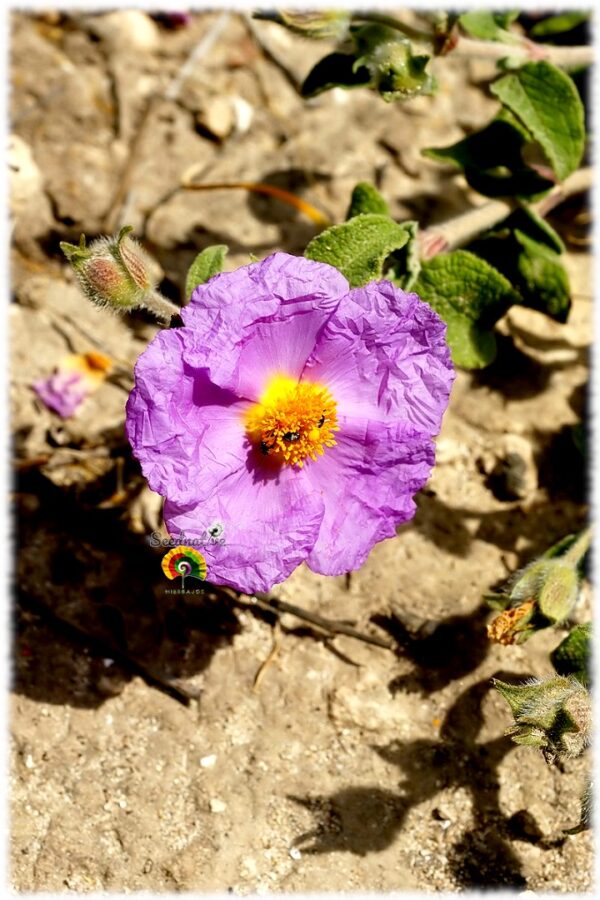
[[293, 415], [74, 379]]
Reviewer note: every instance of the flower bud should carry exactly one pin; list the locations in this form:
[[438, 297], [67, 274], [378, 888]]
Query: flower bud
[[553, 714], [558, 592], [114, 272], [542, 594], [396, 72], [322, 24]]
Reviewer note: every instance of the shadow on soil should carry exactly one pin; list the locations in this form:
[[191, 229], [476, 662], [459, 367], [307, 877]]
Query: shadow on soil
[[364, 820], [542, 522], [93, 607], [517, 375]]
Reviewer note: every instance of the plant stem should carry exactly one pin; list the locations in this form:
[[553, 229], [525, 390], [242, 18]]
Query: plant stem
[[274, 604], [162, 308], [381, 19], [461, 229], [568, 57], [577, 551]]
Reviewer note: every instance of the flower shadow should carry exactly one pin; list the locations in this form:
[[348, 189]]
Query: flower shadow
[[93, 606], [441, 651], [363, 820]]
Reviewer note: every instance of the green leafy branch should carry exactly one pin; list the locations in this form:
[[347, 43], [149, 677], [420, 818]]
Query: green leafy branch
[[375, 50], [552, 714]]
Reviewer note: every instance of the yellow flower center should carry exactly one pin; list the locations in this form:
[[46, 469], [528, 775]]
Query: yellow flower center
[[292, 421]]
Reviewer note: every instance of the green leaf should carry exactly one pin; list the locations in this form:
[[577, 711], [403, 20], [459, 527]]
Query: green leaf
[[209, 262], [359, 247], [547, 102], [489, 26], [526, 219], [527, 257], [366, 199], [554, 25], [405, 264], [573, 654], [470, 295], [335, 70], [504, 19], [492, 160], [544, 283]]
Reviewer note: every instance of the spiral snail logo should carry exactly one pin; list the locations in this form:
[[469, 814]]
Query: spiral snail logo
[[184, 562]]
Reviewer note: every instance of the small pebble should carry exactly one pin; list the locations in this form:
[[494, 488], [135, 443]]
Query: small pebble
[[295, 853], [207, 762], [29, 763], [217, 806]]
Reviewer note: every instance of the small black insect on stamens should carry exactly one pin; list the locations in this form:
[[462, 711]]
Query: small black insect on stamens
[[264, 448], [291, 436], [321, 422]]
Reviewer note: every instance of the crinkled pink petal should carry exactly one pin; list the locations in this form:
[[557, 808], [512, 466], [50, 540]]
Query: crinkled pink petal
[[260, 321], [187, 433], [270, 522], [367, 482], [383, 355]]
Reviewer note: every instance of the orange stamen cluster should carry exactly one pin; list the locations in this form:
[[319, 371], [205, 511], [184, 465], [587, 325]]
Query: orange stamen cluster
[[293, 421]]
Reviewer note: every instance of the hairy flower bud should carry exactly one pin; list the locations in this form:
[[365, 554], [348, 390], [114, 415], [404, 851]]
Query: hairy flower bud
[[544, 593], [553, 583], [117, 272], [553, 714], [322, 24], [112, 271]]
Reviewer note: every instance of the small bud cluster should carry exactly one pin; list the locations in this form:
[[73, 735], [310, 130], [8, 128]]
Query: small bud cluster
[[542, 594], [553, 714]]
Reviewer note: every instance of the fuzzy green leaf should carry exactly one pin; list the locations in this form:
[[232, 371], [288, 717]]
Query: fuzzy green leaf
[[366, 199], [531, 264], [547, 102], [573, 654], [470, 295], [404, 265], [209, 262], [359, 247], [544, 283]]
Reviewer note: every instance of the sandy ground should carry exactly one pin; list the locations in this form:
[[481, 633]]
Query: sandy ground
[[337, 765]]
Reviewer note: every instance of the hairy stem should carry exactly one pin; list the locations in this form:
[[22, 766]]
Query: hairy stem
[[568, 57], [381, 19], [577, 551], [162, 308], [329, 626], [460, 230]]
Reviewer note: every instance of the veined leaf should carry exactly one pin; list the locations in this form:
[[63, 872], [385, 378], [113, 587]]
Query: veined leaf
[[209, 262], [546, 101], [359, 247]]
